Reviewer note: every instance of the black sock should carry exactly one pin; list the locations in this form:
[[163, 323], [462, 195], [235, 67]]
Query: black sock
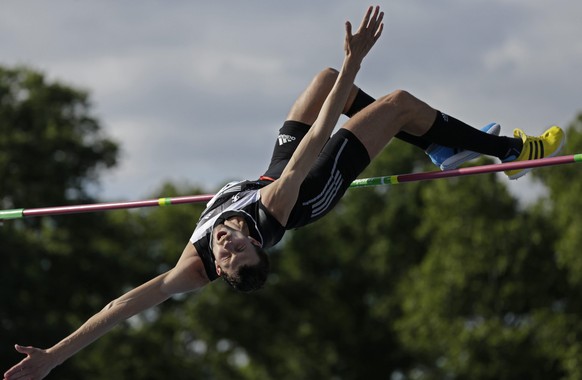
[[448, 131], [362, 100]]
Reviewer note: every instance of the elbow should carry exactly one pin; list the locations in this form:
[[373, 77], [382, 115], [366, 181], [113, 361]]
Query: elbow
[[118, 310], [112, 305], [117, 305]]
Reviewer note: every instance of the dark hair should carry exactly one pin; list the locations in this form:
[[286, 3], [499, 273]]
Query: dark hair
[[250, 278]]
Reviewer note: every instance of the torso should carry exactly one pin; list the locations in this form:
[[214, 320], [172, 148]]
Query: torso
[[241, 199]]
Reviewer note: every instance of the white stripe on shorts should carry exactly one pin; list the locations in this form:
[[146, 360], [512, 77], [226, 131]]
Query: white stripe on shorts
[[323, 204], [323, 199]]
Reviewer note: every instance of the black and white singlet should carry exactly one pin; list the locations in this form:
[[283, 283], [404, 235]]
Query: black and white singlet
[[235, 199]]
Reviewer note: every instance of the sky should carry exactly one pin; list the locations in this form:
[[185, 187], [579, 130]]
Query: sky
[[195, 91]]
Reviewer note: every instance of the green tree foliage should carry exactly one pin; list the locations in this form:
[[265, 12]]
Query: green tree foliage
[[470, 305], [562, 327], [56, 271], [155, 344], [47, 135]]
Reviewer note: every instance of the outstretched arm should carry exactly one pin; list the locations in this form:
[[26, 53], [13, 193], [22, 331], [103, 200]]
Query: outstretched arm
[[280, 196], [187, 275]]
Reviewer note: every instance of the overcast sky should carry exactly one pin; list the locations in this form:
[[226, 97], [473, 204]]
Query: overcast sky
[[195, 91]]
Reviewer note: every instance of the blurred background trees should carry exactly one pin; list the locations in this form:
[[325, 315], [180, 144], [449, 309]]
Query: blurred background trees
[[446, 279]]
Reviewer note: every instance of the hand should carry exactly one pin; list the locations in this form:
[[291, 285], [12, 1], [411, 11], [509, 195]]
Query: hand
[[37, 364], [358, 45]]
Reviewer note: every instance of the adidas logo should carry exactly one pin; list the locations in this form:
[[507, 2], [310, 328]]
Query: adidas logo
[[283, 139]]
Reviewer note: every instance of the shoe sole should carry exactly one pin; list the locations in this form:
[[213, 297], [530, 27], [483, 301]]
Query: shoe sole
[[458, 159], [527, 170]]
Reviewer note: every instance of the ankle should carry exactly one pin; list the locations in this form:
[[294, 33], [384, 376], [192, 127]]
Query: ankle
[[515, 148]]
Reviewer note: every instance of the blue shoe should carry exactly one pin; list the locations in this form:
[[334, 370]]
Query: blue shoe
[[451, 158]]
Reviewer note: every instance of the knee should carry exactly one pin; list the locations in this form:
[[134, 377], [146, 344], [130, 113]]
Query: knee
[[400, 105], [408, 110], [399, 98], [402, 102], [326, 77]]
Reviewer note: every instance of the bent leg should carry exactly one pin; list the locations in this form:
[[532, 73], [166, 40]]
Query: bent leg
[[401, 112], [396, 112], [307, 107], [363, 100]]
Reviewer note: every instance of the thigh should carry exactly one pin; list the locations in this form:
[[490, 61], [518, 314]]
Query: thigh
[[341, 161]]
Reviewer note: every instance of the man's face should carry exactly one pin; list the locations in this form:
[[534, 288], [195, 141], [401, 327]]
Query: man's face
[[232, 247]]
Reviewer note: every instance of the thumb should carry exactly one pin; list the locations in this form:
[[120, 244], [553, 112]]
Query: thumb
[[348, 29], [24, 350]]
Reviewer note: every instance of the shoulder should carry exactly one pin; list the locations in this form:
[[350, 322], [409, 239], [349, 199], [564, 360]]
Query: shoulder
[[188, 274], [271, 229], [192, 262]]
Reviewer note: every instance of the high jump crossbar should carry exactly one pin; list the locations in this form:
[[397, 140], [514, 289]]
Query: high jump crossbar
[[364, 182]]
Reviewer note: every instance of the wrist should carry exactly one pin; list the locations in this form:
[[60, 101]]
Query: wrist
[[351, 65], [56, 356]]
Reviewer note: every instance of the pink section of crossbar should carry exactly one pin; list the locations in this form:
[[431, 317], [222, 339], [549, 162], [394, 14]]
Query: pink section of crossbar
[[487, 168], [115, 205]]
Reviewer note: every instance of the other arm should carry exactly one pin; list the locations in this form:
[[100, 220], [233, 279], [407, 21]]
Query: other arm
[[280, 196], [187, 275]]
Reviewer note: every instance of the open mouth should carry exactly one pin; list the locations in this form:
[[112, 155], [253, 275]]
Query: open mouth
[[220, 234]]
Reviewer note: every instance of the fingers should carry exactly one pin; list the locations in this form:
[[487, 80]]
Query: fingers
[[358, 45], [372, 23], [366, 20], [18, 370], [378, 32], [14, 372], [18, 374]]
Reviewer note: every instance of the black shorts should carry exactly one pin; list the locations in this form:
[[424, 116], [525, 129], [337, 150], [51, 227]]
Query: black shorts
[[340, 162]]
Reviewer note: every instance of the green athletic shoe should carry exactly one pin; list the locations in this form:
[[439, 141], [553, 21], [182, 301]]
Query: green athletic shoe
[[548, 144]]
